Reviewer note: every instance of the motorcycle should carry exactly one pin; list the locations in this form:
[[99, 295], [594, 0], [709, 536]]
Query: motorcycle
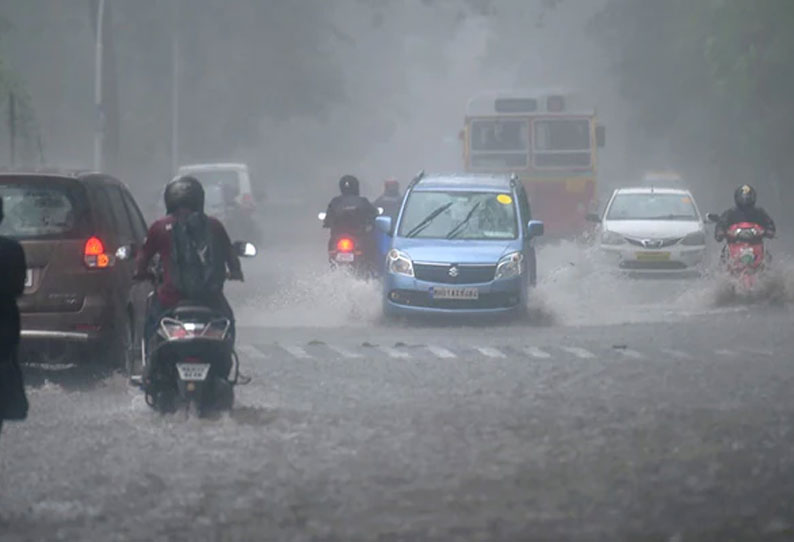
[[351, 250], [744, 256], [190, 357]]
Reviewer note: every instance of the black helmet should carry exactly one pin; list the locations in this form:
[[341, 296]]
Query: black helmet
[[744, 196], [348, 185], [184, 193]]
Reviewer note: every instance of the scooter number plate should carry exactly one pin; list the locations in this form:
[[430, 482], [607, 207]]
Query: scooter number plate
[[193, 372], [345, 257]]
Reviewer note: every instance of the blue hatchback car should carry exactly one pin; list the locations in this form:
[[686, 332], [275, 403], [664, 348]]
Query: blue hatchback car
[[460, 245]]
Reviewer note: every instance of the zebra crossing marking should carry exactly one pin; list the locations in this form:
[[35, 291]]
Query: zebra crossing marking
[[536, 352], [580, 353], [489, 352], [441, 352]]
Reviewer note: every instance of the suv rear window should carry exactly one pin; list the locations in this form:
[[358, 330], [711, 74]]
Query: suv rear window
[[43, 208]]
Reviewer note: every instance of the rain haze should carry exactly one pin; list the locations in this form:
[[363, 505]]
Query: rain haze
[[571, 322]]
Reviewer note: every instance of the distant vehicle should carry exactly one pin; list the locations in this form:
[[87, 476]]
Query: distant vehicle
[[80, 233], [234, 179], [663, 179], [652, 230], [460, 245], [229, 197], [550, 138]]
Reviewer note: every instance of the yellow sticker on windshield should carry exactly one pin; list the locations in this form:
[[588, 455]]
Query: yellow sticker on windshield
[[685, 199], [504, 199]]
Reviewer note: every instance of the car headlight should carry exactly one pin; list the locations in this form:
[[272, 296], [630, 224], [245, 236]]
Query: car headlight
[[400, 263], [612, 238], [510, 266], [694, 239]]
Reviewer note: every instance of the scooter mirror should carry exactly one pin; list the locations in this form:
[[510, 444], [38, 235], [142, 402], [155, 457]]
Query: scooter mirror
[[713, 218], [321, 216]]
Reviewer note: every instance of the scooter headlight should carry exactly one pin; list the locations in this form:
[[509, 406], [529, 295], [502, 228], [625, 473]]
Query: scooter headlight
[[400, 263], [510, 266]]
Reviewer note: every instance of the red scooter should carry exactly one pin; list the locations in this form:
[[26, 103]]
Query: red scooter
[[744, 256]]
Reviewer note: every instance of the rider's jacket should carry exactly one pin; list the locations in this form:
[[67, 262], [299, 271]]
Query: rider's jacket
[[736, 215], [349, 214], [158, 241]]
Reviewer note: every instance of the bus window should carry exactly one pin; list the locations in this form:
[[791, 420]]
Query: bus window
[[499, 143], [560, 143]]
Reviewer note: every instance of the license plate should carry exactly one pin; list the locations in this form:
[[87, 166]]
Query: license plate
[[653, 256], [345, 257], [455, 293], [192, 372], [28, 278]]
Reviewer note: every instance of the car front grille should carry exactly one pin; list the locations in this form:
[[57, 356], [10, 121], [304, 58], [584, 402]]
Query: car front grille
[[653, 243], [418, 298], [463, 274], [664, 265]]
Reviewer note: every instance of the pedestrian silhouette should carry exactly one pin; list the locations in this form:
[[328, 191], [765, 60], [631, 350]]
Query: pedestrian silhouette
[[13, 403]]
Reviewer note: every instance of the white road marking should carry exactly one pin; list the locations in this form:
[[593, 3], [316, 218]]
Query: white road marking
[[344, 352], [251, 352], [489, 352], [536, 352], [726, 353], [629, 353], [580, 353], [678, 354], [297, 351], [441, 352], [759, 351], [394, 353]]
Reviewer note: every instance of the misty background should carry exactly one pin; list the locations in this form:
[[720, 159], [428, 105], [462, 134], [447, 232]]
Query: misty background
[[306, 90]]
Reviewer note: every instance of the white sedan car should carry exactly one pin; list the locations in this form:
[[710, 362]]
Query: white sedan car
[[652, 230]]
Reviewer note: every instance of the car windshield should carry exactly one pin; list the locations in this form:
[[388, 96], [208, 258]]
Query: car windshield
[[459, 215], [42, 209], [652, 207]]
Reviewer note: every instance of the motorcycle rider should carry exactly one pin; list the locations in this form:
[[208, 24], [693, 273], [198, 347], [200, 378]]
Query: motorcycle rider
[[744, 211], [351, 214], [184, 202], [391, 199]]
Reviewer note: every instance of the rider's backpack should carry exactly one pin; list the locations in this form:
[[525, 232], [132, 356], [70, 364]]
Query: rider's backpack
[[198, 269]]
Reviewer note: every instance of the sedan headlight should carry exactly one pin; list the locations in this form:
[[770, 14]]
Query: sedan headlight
[[510, 266], [612, 238], [400, 264], [694, 239]]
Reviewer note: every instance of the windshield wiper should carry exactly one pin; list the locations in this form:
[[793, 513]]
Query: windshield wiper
[[462, 224], [416, 230], [671, 217]]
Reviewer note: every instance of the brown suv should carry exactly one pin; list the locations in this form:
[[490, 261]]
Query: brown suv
[[80, 233]]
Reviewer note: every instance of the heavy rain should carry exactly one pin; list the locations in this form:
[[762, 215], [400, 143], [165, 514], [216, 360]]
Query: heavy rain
[[550, 298]]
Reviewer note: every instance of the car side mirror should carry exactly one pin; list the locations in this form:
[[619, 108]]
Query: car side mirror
[[535, 228], [593, 217], [383, 223], [713, 218], [244, 249], [601, 135]]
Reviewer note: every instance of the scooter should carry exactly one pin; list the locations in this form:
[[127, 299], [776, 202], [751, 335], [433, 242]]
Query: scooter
[[190, 357], [350, 250], [744, 256]]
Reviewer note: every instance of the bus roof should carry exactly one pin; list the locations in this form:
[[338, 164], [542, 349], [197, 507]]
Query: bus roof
[[529, 102]]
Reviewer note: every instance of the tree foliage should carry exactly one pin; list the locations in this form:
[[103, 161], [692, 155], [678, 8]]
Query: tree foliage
[[714, 77]]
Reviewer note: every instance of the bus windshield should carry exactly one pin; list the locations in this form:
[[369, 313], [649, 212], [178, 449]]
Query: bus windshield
[[559, 143], [499, 143]]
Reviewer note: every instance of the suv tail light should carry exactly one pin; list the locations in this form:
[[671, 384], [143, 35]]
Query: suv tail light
[[94, 254]]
